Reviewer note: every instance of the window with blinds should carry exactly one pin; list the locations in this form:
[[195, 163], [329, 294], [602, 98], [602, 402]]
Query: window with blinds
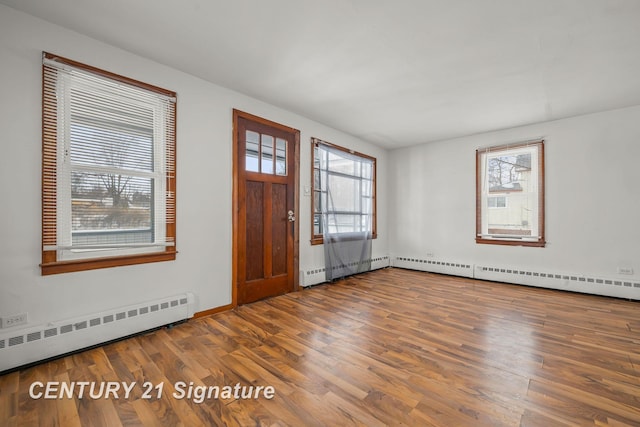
[[108, 169], [510, 194]]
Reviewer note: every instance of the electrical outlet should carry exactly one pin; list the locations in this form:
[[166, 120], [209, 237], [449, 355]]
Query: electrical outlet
[[625, 270], [11, 321]]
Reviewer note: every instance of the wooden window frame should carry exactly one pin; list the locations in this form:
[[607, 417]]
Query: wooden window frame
[[540, 240], [318, 239], [50, 263]]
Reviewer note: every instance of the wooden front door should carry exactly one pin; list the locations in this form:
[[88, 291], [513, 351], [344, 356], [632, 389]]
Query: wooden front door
[[265, 208]]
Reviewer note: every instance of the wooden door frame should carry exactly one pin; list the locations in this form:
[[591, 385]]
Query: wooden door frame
[[237, 114]]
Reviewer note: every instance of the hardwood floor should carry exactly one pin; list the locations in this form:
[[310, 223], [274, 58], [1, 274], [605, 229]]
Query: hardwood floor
[[391, 347]]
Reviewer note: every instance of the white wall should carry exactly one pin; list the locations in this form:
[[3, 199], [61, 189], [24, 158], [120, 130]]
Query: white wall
[[592, 198], [204, 168]]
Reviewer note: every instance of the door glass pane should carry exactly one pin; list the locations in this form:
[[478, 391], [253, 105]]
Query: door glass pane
[[252, 151], [267, 154], [281, 156]]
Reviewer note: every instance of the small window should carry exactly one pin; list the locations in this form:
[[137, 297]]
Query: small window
[[497, 201], [108, 169], [265, 154], [343, 189], [510, 195]]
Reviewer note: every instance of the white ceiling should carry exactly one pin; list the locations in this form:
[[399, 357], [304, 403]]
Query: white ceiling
[[395, 73]]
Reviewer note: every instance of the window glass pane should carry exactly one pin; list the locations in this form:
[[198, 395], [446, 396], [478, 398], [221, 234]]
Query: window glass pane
[[317, 224], [323, 202], [367, 170], [340, 164], [345, 193], [323, 156], [517, 219], [252, 151], [110, 208], [344, 223], [281, 156], [507, 172], [510, 173], [96, 142], [367, 188], [367, 205], [267, 154], [320, 179], [358, 168], [317, 201]]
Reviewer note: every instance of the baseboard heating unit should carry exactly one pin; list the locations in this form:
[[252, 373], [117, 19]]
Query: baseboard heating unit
[[315, 276], [24, 346], [588, 284], [543, 278], [435, 266]]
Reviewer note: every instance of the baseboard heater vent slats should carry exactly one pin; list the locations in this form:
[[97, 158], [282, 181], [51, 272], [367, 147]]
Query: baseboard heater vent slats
[[584, 283], [317, 275], [34, 336], [454, 268], [20, 347], [563, 281]]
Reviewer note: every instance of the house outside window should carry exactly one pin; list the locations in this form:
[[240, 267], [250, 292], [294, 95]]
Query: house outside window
[[496, 202]]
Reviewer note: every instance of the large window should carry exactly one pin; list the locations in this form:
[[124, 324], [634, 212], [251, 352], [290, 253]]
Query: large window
[[510, 194], [108, 169], [343, 190]]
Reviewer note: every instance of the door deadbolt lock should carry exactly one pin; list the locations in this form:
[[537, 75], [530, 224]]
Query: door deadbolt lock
[[291, 216]]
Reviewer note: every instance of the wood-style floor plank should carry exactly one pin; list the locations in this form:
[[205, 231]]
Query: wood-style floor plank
[[391, 347]]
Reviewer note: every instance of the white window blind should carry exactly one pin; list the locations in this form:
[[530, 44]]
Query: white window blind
[[108, 164]]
